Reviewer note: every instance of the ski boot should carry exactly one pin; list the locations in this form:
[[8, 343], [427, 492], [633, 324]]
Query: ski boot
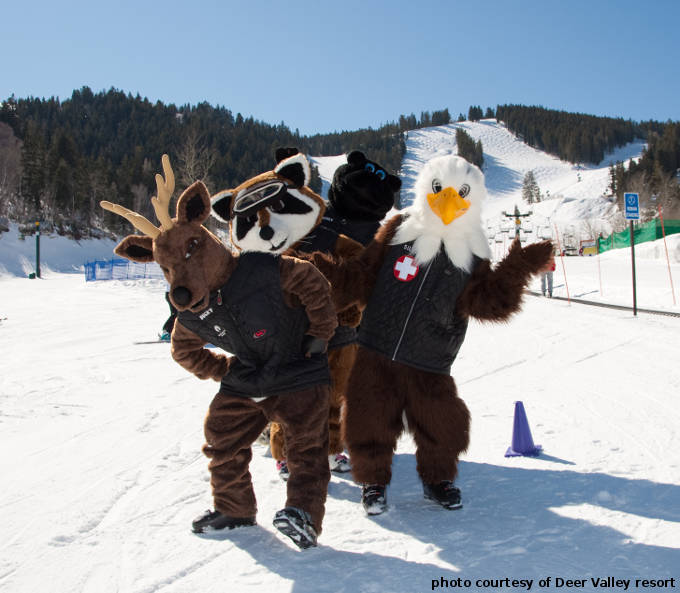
[[373, 499], [443, 493], [339, 463], [282, 468], [164, 336], [297, 525], [214, 521]]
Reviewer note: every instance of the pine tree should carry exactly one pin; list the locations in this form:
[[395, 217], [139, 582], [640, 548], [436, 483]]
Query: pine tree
[[469, 149], [530, 190], [33, 165]]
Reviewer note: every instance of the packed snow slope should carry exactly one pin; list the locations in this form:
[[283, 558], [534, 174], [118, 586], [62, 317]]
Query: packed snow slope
[[573, 192]]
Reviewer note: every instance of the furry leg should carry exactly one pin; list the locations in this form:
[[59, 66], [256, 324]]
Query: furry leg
[[340, 361], [373, 417], [231, 427], [440, 423]]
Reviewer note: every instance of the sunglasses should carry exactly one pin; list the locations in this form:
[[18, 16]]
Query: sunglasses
[[255, 198]]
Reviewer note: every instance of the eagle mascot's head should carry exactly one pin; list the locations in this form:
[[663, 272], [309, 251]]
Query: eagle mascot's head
[[446, 211]]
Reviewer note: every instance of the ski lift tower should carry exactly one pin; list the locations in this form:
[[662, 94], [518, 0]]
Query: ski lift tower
[[518, 218]]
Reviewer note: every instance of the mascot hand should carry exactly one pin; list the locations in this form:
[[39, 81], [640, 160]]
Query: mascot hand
[[312, 346], [535, 257]]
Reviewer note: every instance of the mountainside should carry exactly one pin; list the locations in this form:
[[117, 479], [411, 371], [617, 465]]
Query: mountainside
[[574, 195]]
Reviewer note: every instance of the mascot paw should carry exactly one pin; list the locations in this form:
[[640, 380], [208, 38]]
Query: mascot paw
[[537, 255], [312, 346]]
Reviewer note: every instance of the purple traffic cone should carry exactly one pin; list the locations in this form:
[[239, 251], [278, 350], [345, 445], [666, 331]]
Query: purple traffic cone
[[522, 443]]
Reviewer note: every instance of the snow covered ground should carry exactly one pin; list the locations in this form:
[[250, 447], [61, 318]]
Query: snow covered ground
[[102, 471]]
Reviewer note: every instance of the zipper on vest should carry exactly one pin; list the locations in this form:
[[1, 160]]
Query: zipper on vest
[[410, 311]]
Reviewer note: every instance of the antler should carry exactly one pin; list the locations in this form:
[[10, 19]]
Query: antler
[[137, 220], [165, 187], [161, 204]]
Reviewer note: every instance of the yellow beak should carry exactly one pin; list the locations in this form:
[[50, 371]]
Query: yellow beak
[[447, 204]]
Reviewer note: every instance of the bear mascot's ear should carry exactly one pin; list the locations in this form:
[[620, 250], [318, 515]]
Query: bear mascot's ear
[[221, 204], [295, 168], [356, 158]]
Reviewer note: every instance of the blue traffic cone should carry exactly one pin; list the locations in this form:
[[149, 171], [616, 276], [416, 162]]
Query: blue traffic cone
[[522, 443]]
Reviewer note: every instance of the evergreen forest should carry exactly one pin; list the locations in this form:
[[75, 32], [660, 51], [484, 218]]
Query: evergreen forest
[[60, 158]]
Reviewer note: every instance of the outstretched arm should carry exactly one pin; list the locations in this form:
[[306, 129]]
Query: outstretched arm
[[188, 351], [495, 294], [353, 278]]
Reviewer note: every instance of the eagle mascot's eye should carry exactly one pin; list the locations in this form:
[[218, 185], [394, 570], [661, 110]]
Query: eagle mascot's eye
[[436, 186], [464, 190]]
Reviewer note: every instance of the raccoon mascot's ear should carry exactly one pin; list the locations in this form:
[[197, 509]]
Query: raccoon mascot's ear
[[221, 205], [293, 166], [283, 152]]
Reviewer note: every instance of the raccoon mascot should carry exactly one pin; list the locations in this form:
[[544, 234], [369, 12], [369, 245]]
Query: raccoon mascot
[[360, 195], [424, 275]]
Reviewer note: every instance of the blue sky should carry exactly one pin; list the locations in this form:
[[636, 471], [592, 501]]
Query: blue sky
[[322, 66]]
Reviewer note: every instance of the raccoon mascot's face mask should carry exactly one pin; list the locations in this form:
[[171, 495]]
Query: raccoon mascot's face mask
[[274, 210]]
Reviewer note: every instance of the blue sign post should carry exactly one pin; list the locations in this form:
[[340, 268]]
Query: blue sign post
[[632, 209], [632, 202]]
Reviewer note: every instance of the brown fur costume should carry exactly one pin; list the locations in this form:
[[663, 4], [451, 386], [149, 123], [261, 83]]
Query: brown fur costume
[[380, 387], [361, 193], [340, 362], [196, 264]]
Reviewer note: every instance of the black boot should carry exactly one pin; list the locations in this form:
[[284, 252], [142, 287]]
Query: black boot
[[444, 493], [297, 525], [214, 521], [373, 498]]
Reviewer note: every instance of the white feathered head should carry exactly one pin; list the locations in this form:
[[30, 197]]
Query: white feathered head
[[447, 208]]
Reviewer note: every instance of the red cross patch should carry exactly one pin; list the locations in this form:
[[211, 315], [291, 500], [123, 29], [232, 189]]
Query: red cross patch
[[405, 268]]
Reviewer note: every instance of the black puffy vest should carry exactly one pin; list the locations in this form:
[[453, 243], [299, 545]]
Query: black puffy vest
[[411, 316], [325, 235], [323, 238], [249, 318]]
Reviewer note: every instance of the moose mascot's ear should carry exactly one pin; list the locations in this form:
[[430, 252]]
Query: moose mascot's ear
[[221, 205], [137, 248], [295, 168], [194, 204]]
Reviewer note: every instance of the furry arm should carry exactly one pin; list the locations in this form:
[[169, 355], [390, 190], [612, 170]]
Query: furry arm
[[495, 294], [188, 351], [353, 278], [348, 248], [303, 284]]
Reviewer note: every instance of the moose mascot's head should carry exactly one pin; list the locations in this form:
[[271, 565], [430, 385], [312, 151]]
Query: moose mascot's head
[[193, 260]]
